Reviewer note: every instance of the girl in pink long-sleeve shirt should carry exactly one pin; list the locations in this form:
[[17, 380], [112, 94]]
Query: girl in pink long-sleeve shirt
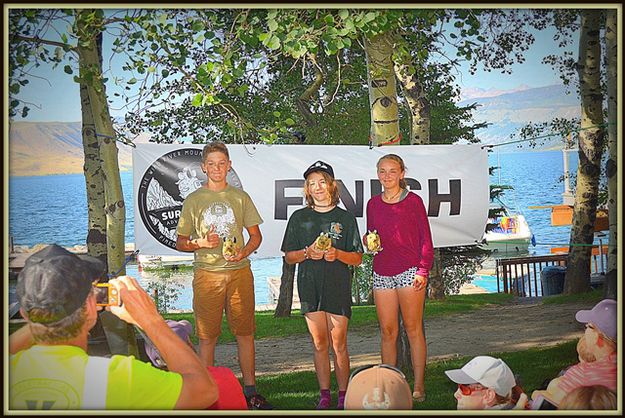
[[400, 270]]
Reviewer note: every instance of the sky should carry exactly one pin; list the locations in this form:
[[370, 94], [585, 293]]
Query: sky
[[54, 96]]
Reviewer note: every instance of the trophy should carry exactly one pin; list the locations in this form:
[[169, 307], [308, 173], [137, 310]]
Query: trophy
[[374, 245], [230, 247], [323, 242]]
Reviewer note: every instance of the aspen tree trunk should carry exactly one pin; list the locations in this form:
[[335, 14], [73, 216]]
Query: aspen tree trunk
[[417, 103], [611, 166], [382, 91], [577, 277], [419, 135], [120, 335], [285, 300], [114, 199], [94, 180], [420, 121], [385, 131], [303, 101]]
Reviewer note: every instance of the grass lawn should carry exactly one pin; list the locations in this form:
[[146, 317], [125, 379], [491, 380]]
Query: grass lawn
[[299, 391], [267, 326], [592, 296]]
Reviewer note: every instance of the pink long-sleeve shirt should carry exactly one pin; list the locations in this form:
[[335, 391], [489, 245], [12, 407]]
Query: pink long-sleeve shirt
[[405, 235]]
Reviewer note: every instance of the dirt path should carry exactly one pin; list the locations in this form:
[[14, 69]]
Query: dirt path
[[517, 326]]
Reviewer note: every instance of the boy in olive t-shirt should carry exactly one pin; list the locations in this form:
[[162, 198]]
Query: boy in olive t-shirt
[[211, 225]]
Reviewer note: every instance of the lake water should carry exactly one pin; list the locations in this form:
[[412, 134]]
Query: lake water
[[52, 209]]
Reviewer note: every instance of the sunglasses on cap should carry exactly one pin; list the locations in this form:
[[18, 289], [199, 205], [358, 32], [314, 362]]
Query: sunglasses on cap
[[467, 390], [385, 366]]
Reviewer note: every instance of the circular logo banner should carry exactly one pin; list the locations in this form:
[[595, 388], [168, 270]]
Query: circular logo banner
[[165, 185]]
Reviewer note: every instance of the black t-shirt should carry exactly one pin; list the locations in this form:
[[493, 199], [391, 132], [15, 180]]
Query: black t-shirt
[[323, 285]]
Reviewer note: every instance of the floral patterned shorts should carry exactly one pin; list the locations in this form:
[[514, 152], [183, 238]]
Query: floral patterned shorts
[[404, 279]]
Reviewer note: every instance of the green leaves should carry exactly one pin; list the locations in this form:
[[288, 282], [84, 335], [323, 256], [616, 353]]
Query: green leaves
[[197, 100], [272, 42], [241, 90], [198, 26], [203, 74], [370, 16], [68, 69], [249, 39]]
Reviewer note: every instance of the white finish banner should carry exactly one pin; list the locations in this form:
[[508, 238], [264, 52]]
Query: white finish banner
[[452, 180]]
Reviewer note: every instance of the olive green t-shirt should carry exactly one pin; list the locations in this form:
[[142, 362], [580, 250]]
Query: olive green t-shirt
[[323, 285], [228, 211]]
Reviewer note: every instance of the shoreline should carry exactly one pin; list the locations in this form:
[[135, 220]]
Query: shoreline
[[471, 289], [19, 253]]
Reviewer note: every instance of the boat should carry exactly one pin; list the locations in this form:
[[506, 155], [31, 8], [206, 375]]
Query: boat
[[146, 261], [506, 232]]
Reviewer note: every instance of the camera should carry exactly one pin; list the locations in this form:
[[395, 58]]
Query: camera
[[542, 403], [106, 295]]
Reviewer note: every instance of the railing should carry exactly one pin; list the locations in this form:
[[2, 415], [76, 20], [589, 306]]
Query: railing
[[521, 275], [598, 262], [517, 273]]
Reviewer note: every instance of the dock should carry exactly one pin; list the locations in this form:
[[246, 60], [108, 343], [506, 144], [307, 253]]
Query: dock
[[19, 255], [273, 284]]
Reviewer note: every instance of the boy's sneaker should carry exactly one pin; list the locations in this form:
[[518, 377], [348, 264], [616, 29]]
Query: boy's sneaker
[[257, 401]]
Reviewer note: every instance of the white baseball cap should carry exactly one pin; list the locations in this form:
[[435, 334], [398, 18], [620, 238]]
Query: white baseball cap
[[488, 371]]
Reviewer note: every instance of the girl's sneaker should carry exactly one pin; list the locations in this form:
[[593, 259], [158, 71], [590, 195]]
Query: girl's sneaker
[[324, 403], [341, 402]]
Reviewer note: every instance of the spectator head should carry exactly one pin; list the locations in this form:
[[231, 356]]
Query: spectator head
[[484, 382], [589, 398], [378, 387], [600, 331], [53, 288]]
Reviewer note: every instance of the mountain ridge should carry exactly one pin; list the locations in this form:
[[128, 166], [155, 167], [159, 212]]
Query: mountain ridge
[[47, 148], [509, 112]]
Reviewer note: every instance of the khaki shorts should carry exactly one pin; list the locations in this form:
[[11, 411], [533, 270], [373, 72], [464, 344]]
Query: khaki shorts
[[230, 289]]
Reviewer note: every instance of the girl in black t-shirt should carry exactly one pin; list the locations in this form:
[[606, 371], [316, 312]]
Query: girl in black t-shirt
[[324, 278]]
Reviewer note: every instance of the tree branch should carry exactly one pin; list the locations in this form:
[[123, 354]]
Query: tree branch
[[37, 40]]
